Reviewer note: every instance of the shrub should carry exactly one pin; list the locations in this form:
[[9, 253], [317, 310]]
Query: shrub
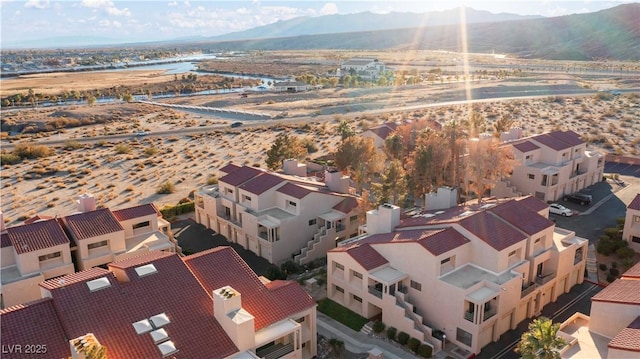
[[625, 252], [606, 247], [612, 232], [274, 273], [150, 151], [403, 338], [610, 278], [123, 149], [212, 179], [614, 272], [27, 150], [603, 267], [604, 237], [425, 351], [378, 327], [391, 333], [9, 159], [614, 264], [620, 222], [413, 344], [72, 145], [166, 188], [291, 267], [172, 211]]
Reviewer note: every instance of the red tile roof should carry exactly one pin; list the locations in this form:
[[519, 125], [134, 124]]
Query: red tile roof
[[525, 146], [77, 277], [364, 254], [633, 272], [34, 323], [38, 235], [382, 131], [36, 218], [569, 137], [492, 230], [110, 312], [346, 205], [261, 183], [558, 140], [623, 291], [443, 241], [294, 191], [230, 167], [240, 176], [533, 203], [135, 212], [635, 204], [628, 339], [92, 224], [222, 266], [522, 217]]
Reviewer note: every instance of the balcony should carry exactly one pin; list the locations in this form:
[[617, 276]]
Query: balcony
[[275, 351], [340, 227], [578, 258], [469, 316], [528, 289], [544, 279], [489, 313], [374, 291]]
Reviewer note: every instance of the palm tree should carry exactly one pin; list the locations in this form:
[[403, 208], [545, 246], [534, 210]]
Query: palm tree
[[541, 341]]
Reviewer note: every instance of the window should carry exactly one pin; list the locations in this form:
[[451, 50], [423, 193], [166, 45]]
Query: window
[[564, 154], [50, 256], [636, 219], [339, 266], [97, 245], [537, 240], [512, 253], [291, 203], [357, 299], [464, 337], [339, 289], [356, 274], [300, 320], [445, 261], [415, 285], [312, 222], [527, 157], [141, 225], [353, 218], [635, 239], [531, 176], [228, 190], [247, 198]]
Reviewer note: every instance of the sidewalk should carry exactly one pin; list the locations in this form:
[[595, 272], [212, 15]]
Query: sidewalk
[[356, 342]]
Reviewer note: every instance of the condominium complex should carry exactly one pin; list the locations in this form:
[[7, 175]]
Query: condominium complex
[[463, 275], [45, 247], [160, 305], [631, 231], [550, 166], [277, 216]]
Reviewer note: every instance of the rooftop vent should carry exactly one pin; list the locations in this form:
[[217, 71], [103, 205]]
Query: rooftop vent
[[159, 335], [227, 293], [143, 326], [97, 284], [146, 270], [160, 320], [167, 348]]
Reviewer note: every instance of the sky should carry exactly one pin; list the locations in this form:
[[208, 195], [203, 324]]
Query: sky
[[133, 21]]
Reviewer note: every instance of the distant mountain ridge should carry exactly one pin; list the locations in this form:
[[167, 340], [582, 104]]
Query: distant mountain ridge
[[607, 34], [367, 21]]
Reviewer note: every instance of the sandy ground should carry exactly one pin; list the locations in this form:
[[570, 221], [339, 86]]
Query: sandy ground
[[48, 186]]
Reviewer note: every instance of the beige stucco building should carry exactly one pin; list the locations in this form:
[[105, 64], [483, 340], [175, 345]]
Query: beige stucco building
[[468, 272], [367, 68], [46, 248], [551, 165], [631, 231], [277, 216]]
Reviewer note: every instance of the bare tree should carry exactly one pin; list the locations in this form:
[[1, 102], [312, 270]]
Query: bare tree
[[485, 164], [358, 157]]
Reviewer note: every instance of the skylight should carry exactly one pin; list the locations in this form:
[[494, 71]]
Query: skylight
[[160, 320], [146, 270], [97, 284], [159, 335], [142, 326], [167, 348], [488, 205]]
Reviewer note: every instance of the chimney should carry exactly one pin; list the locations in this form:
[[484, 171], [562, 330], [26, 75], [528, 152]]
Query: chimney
[[336, 181], [83, 346], [236, 322], [384, 219], [446, 197], [86, 203], [292, 167]]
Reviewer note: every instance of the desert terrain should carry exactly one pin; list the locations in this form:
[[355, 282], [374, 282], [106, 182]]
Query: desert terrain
[[102, 155]]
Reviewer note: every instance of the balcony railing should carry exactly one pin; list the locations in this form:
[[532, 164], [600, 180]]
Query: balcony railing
[[527, 290], [469, 316], [578, 258], [275, 351], [374, 291], [541, 280], [340, 227], [489, 313]]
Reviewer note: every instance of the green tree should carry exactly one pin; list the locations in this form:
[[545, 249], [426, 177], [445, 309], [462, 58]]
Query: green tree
[[476, 124], [285, 147], [358, 157], [393, 146], [345, 130], [541, 341], [394, 182], [503, 124]]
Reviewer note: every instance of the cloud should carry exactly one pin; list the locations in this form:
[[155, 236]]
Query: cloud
[[118, 12], [173, 3], [37, 4], [96, 3], [107, 6], [329, 9]]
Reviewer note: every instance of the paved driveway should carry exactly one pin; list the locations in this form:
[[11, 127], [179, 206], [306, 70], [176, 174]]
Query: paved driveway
[[195, 238]]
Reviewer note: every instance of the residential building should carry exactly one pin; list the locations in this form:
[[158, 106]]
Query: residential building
[[613, 328], [366, 68], [291, 86], [463, 275], [216, 308], [380, 133], [44, 247], [277, 216], [551, 165], [631, 231]]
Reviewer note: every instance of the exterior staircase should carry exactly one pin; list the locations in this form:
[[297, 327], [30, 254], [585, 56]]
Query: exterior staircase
[[367, 328], [504, 188], [403, 301], [321, 242]]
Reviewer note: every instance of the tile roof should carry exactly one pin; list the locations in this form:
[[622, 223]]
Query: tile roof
[[4, 240], [135, 212], [77, 277], [533, 203], [36, 218], [364, 254], [33, 323], [382, 131], [635, 204], [240, 176], [38, 235], [629, 338], [261, 183], [92, 224], [492, 230], [294, 191], [521, 217], [525, 146], [230, 167], [633, 272], [552, 142], [443, 241], [113, 310], [569, 137], [346, 205], [623, 291], [222, 266]]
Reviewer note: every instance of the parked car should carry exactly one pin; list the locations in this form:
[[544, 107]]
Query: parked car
[[142, 133], [555, 208], [583, 199], [236, 124]]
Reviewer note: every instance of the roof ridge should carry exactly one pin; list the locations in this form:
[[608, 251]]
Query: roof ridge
[[26, 305]]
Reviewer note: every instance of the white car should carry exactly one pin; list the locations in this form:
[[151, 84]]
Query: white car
[[560, 209]]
